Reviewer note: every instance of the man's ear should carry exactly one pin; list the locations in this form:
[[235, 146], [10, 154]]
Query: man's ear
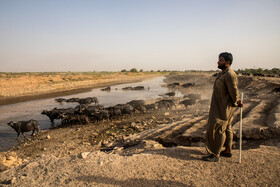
[[227, 63]]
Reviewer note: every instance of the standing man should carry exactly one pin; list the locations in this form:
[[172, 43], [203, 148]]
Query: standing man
[[225, 98]]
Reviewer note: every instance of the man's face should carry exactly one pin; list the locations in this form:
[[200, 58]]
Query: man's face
[[222, 63]]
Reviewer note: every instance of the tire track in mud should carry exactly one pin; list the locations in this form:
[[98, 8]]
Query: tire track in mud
[[246, 112], [261, 121], [171, 134], [257, 114]]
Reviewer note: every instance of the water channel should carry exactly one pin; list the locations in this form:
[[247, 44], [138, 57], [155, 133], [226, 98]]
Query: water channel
[[32, 109]]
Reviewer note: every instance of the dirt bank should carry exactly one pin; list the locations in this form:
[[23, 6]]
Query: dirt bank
[[16, 88], [158, 148]]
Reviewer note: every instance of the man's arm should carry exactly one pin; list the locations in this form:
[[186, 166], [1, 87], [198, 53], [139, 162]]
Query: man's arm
[[231, 84]]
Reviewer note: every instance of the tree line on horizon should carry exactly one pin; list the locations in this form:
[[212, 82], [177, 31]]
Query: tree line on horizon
[[259, 71], [134, 70]]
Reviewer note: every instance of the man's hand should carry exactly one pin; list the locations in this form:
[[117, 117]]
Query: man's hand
[[239, 104]]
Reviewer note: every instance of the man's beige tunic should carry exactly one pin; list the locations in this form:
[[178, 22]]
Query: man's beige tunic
[[223, 103]]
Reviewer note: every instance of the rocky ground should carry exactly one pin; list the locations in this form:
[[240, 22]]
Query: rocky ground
[[157, 148]]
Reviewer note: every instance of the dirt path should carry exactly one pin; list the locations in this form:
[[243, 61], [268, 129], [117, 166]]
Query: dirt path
[[159, 148], [155, 166]]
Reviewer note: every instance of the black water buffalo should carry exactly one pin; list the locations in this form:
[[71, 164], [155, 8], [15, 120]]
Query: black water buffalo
[[172, 85], [166, 104], [137, 105], [169, 94], [152, 106], [247, 74], [60, 100], [127, 88], [186, 85], [134, 88], [126, 108], [106, 89], [71, 119], [101, 115], [258, 74], [88, 100], [88, 110], [277, 89], [114, 111], [138, 88], [55, 113], [188, 102], [25, 126], [52, 115], [75, 99]]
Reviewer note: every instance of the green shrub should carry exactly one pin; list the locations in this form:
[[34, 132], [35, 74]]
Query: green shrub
[[133, 70]]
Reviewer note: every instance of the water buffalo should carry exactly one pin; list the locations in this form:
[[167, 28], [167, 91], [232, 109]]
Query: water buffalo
[[73, 119], [101, 115], [138, 88], [88, 100], [188, 102], [55, 113], [137, 105], [172, 85], [169, 94], [127, 88], [166, 103], [126, 108], [186, 85], [134, 88], [25, 126], [75, 99], [152, 106], [106, 89], [52, 115], [88, 110], [114, 111], [60, 100]]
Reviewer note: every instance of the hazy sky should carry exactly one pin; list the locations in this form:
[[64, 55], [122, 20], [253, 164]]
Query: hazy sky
[[111, 35]]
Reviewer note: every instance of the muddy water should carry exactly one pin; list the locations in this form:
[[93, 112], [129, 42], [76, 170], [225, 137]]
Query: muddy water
[[32, 109]]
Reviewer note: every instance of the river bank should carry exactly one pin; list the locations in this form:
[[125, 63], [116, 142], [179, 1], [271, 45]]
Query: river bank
[[22, 87]]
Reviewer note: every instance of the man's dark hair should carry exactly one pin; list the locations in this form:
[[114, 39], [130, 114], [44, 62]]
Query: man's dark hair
[[227, 56]]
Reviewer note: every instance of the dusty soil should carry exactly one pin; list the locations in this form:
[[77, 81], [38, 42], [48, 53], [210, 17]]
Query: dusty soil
[[159, 148]]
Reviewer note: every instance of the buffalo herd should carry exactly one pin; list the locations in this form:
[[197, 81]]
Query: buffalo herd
[[89, 110]]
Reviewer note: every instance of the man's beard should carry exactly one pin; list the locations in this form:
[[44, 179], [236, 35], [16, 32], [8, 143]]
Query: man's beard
[[222, 67]]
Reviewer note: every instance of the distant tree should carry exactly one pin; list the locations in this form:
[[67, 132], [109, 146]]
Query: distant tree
[[259, 70], [141, 70], [275, 70], [124, 70], [158, 70], [133, 70], [152, 70]]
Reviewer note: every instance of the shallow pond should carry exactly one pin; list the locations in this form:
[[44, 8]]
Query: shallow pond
[[32, 109]]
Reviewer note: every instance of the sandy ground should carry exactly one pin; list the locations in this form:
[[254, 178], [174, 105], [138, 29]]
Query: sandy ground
[[158, 148]]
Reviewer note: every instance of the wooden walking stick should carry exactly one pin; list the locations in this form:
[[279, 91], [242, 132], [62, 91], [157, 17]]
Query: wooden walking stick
[[240, 131]]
